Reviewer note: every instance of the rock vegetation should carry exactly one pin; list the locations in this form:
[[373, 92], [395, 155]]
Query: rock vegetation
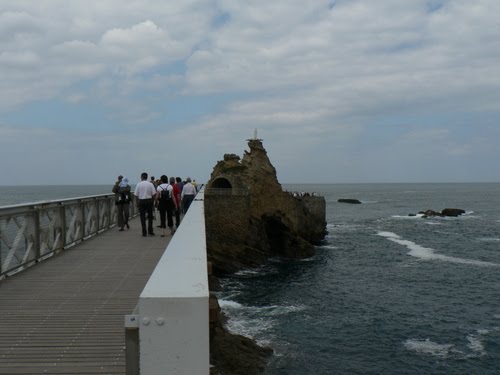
[[249, 218]]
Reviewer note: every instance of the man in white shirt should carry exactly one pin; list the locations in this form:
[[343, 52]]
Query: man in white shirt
[[188, 194], [145, 193]]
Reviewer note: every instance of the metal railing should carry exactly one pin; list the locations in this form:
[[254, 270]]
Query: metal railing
[[32, 232]]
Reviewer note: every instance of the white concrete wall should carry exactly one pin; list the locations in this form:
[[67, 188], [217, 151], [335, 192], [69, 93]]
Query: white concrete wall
[[173, 307]]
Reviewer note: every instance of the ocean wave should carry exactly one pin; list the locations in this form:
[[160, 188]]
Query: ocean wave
[[432, 223], [474, 348], [426, 253], [227, 304], [255, 321], [476, 344], [429, 347], [408, 217], [489, 239], [331, 247], [249, 272]]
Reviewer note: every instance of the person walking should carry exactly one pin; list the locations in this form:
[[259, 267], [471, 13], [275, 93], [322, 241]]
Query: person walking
[[164, 197], [122, 201], [188, 194], [145, 193], [177, 201]]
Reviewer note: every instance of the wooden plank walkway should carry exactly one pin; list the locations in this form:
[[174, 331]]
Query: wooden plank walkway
[[66, 315]]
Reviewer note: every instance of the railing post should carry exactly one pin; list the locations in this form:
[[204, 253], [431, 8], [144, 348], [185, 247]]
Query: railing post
[[84, 222], [63, 225], [98, 214], [132, 344], [36, 217]]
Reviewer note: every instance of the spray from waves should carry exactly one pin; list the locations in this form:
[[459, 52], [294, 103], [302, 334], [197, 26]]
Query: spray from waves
[[427, 253]]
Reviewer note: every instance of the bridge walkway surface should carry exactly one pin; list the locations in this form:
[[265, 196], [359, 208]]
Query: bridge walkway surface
[[65, 315]]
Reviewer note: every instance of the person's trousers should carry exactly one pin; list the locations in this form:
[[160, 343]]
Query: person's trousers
[[122, 210], [146, 208], [177, 212], [186, 202]]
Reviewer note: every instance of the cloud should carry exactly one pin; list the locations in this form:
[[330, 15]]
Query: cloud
[[353, 85]]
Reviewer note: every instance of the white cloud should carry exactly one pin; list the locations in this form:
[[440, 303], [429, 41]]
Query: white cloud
[[310, 76]]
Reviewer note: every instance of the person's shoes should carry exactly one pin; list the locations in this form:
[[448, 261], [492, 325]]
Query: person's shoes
[[172, 231], [120, 230], [162, 235], [144, 235], [151, 234], [128, 226]]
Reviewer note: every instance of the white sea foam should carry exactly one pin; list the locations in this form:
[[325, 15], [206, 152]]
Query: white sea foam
[[246, 272], [426, 253], [226, 304], [408, 217], [476, 343], [253, 321], [328, 247], [432, 223], [429, 347]]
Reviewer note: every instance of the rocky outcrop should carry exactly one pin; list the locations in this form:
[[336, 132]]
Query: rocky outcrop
[[452, 212], [249, 218], [349, 200]]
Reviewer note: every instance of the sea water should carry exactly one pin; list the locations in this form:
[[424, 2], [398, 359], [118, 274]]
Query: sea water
[[12, 195], [386, 293]]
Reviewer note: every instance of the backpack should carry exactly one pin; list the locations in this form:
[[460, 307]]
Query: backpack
[[165, 197]]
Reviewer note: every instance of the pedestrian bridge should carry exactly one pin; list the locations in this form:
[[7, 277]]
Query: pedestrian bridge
[[79, 297]]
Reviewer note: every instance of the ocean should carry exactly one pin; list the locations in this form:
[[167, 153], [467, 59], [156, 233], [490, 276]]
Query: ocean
[[386, 293], [12, 195]]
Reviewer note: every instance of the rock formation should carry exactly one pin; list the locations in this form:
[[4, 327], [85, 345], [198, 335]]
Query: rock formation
[[249, 218]]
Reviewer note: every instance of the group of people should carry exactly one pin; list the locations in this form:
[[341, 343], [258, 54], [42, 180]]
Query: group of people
[[172, 197]]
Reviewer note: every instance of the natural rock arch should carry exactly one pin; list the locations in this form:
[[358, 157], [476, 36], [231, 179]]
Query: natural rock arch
[[221, 183]]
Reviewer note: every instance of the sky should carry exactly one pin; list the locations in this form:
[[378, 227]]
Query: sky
[[342, 91]]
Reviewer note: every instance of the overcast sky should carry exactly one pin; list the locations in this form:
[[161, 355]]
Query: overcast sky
[[340, 91]]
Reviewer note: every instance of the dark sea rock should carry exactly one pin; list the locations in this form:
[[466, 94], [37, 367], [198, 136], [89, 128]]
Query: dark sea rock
[[235, 354], [349, 200], [453, 212]]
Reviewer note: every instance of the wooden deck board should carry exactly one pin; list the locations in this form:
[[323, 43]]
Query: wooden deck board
[[66, 314]]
